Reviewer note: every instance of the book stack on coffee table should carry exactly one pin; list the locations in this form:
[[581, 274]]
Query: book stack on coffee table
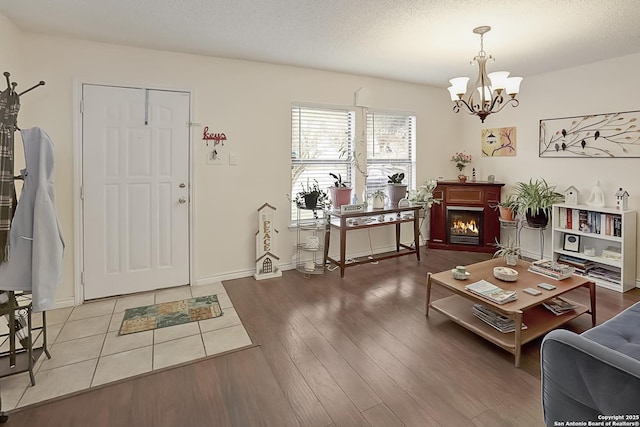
[[495, 320], [492, 292], [552, 269]]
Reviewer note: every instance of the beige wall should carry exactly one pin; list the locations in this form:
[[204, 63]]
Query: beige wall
[[11, 53], [591, 89], [250, 102]]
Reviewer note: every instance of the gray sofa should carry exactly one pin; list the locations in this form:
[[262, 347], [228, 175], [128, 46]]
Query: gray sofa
[[593, 374]]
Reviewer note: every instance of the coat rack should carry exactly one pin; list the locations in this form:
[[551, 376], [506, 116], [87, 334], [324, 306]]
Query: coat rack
[[13, 105], [12, 85]]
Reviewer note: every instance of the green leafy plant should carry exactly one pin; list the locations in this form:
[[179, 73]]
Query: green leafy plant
[[536, 198], [508, 208], [378, 193], [508, 248], [312, 191], [510, 251], [396, 178], [510, 202], [424, 194], [338, 180]]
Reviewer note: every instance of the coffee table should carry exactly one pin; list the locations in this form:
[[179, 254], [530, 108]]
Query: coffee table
[[527, 308]]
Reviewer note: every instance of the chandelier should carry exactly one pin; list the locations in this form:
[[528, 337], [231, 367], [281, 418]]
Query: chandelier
[[486, 95]]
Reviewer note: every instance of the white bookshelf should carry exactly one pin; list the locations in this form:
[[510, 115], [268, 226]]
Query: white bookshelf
[[599, 239]]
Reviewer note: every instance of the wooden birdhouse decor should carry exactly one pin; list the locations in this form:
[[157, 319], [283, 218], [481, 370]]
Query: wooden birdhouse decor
[[622, 200], [571, 196]]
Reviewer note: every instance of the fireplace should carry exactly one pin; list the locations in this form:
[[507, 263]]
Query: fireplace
[[466, 219], [464, 225]]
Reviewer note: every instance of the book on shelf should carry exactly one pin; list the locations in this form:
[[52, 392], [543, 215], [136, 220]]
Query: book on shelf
[[574, 261], [583, 221], [552, 269], [575, 219], [559, 306], [605, 275], [562, 218], [495, 320], [606, 225], [491, 292], [582, 266], [617, 226]]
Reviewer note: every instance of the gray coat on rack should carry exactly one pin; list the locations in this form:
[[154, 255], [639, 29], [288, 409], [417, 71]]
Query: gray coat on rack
[[36, 242]]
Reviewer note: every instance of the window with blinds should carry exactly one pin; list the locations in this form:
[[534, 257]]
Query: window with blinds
[[391, 140], [321, 143]]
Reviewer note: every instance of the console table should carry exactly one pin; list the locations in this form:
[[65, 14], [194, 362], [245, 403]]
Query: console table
[[373, 218]]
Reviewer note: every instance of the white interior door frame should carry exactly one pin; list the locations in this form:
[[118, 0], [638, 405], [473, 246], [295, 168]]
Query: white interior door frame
[[77, 181]]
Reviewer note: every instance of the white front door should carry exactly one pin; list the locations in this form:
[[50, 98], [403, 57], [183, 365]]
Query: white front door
[[135, 177]]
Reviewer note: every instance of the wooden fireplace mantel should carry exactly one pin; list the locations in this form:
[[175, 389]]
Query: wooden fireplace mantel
[[468, 194]]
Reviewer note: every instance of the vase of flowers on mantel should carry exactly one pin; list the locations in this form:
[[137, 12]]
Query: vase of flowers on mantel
[[461, 160]]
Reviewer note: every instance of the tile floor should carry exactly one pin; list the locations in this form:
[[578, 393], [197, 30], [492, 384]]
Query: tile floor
[[86, 350]]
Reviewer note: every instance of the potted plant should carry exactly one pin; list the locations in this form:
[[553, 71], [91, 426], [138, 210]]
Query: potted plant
[[340, 192], [461, 160], [424, 194], [395, 188], [509, 251], [535, 200], [508, 209], [378, 199], [311, 196]]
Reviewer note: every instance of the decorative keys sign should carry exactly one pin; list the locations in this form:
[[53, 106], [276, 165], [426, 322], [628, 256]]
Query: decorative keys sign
[[217, 138], [213, 153]]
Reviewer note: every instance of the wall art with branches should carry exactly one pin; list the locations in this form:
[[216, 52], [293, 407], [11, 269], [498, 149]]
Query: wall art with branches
[[499, 142], [602, 135]]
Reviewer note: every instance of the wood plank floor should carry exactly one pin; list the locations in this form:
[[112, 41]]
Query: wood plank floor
[[357, 351]]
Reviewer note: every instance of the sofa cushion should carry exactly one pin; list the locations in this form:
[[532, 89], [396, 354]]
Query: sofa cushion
[[620, 333]]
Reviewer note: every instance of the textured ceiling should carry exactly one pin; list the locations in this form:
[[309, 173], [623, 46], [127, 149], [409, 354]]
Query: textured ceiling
[[427, 41]]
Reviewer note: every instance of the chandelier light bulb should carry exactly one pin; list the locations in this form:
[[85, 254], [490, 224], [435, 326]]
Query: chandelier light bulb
[[513, 85], [487, 93], [459, 85], [499, 79]]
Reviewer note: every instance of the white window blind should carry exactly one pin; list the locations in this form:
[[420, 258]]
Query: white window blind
[[391, 140], [321, 143]]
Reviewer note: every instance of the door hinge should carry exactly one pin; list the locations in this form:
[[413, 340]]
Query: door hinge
[[81, 107], [82, 277], [192, 124], [82, 193]]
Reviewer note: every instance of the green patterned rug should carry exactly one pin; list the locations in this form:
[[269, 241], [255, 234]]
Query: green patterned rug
[[167, 314]]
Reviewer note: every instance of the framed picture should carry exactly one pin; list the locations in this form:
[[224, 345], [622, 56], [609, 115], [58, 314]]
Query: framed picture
[[499, 142], [571, 243]]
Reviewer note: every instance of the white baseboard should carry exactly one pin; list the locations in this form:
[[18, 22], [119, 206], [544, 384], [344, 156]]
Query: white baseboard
[[235, 275], [64, 303]]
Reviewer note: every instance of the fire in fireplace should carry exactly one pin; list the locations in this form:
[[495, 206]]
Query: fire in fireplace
[[464, 225]]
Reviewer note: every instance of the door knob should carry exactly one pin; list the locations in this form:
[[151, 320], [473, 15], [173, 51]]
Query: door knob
[[182, 185], [182, 200]]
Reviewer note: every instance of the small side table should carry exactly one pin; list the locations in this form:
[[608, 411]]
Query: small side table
[[514, 225], [540, 231]]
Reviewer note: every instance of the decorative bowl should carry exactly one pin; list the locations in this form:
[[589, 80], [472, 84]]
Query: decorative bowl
[[505, 273], [460, 276]]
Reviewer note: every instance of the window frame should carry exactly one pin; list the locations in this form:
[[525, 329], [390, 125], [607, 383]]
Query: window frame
[[409, 162], [341, 162]]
